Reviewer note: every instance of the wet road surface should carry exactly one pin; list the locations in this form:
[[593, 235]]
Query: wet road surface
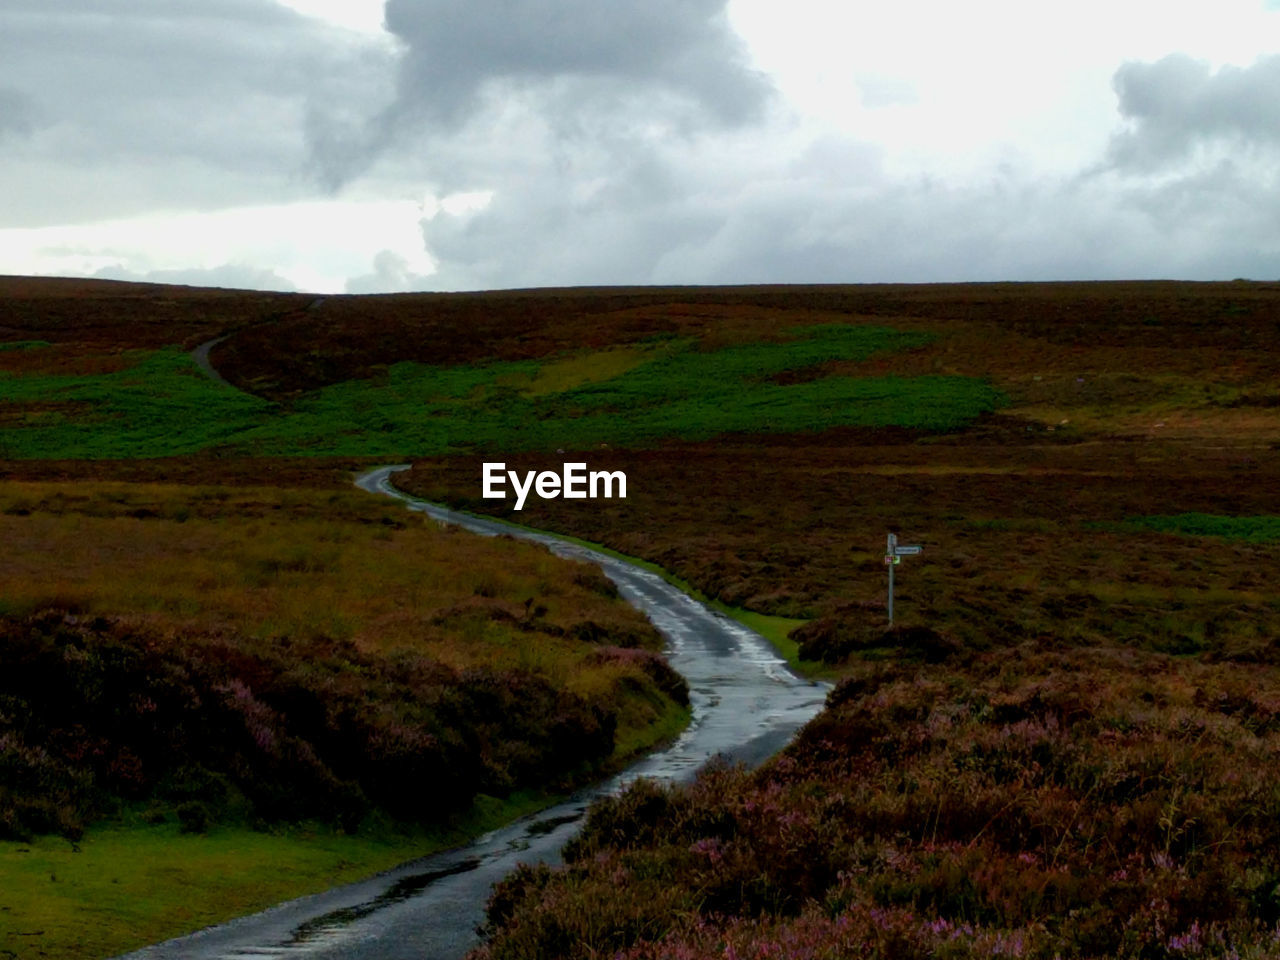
[[746, 706]]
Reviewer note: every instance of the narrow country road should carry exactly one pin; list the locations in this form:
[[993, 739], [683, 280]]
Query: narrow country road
[[201, 357], [746, 706]]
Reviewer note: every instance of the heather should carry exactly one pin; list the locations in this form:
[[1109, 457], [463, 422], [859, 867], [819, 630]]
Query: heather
[[215, 655], [1063, 747], [1041, 802], [98, 715], [1024, 536]]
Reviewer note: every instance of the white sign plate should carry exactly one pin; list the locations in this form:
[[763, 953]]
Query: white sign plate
[[907, 551]]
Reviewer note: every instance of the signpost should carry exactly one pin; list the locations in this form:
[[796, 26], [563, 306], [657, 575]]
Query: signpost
[[893, 554]]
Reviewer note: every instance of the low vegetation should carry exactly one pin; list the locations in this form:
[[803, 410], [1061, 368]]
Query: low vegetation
[[213, 660], [158, 404], [1248, 529], [1039, 803], [1022, 538], [1066, 746], [271, 655]]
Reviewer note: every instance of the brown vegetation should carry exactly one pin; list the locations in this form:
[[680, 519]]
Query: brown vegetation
[[1068, 745], [276, 654], [1032, 804]]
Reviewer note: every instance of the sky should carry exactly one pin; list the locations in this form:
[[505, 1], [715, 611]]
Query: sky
[[367, 147]]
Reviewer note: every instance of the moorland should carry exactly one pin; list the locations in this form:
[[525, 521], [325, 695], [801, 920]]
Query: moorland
[[1065, 746]]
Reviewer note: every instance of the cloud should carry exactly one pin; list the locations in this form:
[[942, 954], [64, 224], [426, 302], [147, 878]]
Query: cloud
[[1177, 104], [392, 273], [1020, 229], [663, 67], [878, 90], [180, 104], [233, 276], [684, 46], [17, 113], [829, 211], [627, 141]]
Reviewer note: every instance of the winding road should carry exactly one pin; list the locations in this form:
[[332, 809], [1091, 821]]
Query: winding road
[[201, 357], [746, 706]]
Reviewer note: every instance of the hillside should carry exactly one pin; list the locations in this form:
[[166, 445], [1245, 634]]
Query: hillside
[[1067, 744]]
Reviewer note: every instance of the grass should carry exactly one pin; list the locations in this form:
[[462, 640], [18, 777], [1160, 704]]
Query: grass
[[777, 630], [1247, 529], [125, 886], [638, 738], [263, 654], [162, 406], [269, 563], [557, 376], [159, 406]]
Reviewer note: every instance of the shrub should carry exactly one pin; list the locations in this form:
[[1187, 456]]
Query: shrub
[[92, 712], [194, 817], [1034, 803]]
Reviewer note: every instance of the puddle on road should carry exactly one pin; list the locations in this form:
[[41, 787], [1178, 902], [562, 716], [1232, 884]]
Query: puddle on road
[[541, 828], [334, 922]]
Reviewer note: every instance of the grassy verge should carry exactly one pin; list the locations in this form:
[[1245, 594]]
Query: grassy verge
[[123, 887]]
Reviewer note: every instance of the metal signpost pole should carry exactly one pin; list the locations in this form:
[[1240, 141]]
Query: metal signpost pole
[[893, 555], [892, 561], [891, 566]]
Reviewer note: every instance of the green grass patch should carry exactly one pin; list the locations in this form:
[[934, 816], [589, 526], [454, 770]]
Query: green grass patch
[[24, 344], [163, 406], [123, 887], [1248, 529], [777, 630], [631, 741]]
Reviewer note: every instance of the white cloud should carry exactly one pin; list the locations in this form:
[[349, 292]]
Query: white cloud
[[362, 16], [232, 276], [566, 141], [313, 246]]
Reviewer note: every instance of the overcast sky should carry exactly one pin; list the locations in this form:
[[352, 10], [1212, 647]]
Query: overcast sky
[[352, 145]]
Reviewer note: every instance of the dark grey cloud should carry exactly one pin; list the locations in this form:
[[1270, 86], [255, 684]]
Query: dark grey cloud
[[589, 69], [684, 46], [1177, 104]]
